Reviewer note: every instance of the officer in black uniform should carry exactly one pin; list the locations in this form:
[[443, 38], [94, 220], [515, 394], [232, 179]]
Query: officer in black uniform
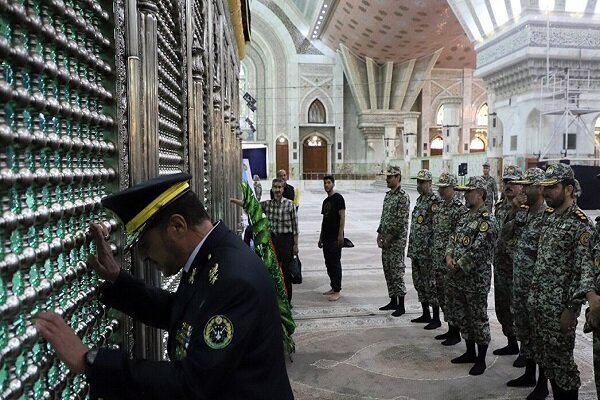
[[225, 335]]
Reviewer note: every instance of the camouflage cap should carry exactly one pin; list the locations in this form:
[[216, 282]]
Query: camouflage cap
[[447, 179], [486, 163], [424, 175], [511, 173], [533, 176], [556, 173], [475, 182], [392, 170]]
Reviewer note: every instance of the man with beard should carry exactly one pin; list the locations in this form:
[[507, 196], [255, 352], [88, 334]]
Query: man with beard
[[331, 239], [288, 190], [563, 276], [503, 263], [446, 213], [419, 250], [391, 239], [527, 228], [469, 258], [491, 187], [223, 322]]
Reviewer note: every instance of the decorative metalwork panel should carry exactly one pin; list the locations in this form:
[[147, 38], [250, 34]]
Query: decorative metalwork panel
[[57, 112], [170, 88]]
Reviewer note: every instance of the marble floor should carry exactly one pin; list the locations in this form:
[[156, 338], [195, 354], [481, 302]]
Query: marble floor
[[350, 350]]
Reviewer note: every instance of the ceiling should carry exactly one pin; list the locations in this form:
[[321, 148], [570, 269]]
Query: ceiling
[[395, 30]]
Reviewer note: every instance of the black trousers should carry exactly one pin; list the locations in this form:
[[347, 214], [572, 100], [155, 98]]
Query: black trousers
[[333, 256], [284, 247]]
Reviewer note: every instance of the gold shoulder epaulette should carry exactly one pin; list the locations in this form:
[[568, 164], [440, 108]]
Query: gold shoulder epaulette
[[581, 215]]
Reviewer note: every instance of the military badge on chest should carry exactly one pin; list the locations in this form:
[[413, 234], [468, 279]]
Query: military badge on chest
[[420, 219], [213, 274], [182, 338], [218, 332]]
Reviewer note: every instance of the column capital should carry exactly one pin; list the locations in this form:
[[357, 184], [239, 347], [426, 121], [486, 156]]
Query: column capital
[[451, 100]]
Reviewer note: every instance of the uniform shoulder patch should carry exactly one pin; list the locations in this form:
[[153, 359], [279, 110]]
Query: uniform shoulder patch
[[434, 207], [218, 332], [584, 238], [484, 226], [420, 219]]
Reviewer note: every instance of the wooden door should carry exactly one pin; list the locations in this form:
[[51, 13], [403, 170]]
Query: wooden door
[[314, 160], [282, 156]]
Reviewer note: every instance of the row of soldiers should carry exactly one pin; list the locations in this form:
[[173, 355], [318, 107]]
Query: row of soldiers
[[546, 264]]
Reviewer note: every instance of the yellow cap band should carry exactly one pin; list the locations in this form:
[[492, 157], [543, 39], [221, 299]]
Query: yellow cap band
[[155, 205]]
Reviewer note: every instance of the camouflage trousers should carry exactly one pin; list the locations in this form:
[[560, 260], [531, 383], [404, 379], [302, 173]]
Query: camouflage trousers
[[423, 276], [392, 258], [552, 349], [503, 278], [443, 291], [597, 362], [470, 311], [521, 314]]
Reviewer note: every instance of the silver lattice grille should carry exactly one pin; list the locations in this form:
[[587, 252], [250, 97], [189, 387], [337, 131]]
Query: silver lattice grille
[[57, 120], [170, 92]]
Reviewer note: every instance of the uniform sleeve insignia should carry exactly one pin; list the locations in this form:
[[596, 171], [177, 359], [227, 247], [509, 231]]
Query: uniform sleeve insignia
[[183, 337], [213, 273], [584, 238], [420, 219], [218, 332], [484, 226], [466, 240]]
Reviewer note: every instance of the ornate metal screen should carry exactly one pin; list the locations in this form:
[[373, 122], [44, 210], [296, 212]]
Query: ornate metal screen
[[57, 123]]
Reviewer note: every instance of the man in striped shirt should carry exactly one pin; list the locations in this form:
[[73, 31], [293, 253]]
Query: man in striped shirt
[[283, 226]]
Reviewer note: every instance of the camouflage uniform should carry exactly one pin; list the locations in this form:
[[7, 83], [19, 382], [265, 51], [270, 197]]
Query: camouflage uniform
[[503, 261], [527, 228], [596, 255], [420, 243], [562, 275], [393, 227], [445, 218], [492, 192], [472, 246]]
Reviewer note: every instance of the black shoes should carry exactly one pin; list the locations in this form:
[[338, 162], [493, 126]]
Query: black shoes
[[541, 388], [467, 358], [425, 317], [453, 338], [399, 307], [511, 348], [392, 305], [435, 322], [527, 379], [479, 367]]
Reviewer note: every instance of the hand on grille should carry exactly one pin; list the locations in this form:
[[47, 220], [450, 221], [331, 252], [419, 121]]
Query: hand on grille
[[103, 262], [69, 348]]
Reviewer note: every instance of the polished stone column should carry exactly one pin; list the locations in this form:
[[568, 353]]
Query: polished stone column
[[450, 128]]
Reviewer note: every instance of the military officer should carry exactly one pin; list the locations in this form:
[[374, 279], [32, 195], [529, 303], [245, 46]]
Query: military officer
[[503, 263], [419, 250], [526, 228], [562, 277], [491, 187], [469, 258], [446, 213], [593, 316], [391, 239], [225, 336]]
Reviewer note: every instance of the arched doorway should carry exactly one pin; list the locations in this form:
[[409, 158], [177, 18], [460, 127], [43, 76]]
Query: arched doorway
[[314, 157], [437, 146], [282, 155]]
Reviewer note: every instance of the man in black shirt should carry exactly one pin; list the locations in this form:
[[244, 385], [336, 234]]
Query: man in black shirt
[[331, 239], [288, 190]]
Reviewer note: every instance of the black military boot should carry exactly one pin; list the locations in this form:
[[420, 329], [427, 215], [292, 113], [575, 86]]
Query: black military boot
[[426, 317], [444, 335], [520, 361], [541, 388], [435, 322], [511, 348], [454, 337], [527, 379], [467, 358], [399, 308], [479, 367], [392, 305]]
